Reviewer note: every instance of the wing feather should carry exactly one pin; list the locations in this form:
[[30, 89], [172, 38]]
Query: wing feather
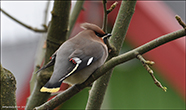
[[88, 54]]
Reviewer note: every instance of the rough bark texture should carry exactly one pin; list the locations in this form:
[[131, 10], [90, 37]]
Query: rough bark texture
[[8, 90], [57, 31]]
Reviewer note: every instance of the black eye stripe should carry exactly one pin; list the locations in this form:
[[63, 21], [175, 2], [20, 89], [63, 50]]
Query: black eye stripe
[[99, 35]]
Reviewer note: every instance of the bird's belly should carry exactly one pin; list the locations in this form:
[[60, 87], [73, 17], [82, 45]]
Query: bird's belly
[[77, 78]]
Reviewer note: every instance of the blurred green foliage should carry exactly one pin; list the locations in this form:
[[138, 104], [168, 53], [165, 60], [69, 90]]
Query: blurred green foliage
[[131, 87]]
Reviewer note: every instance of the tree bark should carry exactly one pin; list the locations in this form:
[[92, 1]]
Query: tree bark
[[57, 31], [8, 90]]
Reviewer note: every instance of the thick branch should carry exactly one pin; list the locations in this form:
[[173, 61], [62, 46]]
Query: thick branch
[[8, 89], [118, 34], [97, 92], [62, 97], [56, 36], [23, 24]]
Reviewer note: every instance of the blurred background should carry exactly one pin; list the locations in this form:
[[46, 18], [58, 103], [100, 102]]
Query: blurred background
[[131, 86]]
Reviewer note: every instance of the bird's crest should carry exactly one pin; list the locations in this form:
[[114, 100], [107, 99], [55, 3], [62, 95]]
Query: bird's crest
[[92, 27]]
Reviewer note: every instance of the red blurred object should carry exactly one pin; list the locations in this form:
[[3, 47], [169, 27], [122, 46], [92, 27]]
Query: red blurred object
[[150, 20], [154, 19]]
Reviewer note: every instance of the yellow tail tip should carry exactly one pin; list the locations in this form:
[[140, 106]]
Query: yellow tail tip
[[51, 90]]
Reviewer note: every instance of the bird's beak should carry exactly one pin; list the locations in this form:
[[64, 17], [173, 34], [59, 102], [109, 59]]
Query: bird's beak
[[106, 35]]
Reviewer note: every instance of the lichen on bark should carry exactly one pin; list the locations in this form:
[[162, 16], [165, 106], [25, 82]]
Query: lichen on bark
[[8, 90]]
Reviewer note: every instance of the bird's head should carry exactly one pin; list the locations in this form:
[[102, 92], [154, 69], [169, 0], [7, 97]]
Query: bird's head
[[98, 31]]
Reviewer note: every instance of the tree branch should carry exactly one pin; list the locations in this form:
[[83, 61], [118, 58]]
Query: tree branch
[[112, 7], [8, 90], [23, 24], [105, 16], [56, 36], [104, 26], [146, 65], [180, 21], [98, 90], [62, 97], [125, 10]]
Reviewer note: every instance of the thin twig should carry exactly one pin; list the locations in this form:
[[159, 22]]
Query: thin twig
[[23, 24], [104, 26], [146, 66], [178, 18], [112, 7]]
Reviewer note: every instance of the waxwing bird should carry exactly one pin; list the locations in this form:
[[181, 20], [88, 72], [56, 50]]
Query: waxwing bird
[[77, 58]]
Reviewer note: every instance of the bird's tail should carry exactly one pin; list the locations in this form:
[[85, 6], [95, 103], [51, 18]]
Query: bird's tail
[[51, 87]]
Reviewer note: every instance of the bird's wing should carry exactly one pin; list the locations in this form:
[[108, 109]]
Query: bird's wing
[[84, 57]]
